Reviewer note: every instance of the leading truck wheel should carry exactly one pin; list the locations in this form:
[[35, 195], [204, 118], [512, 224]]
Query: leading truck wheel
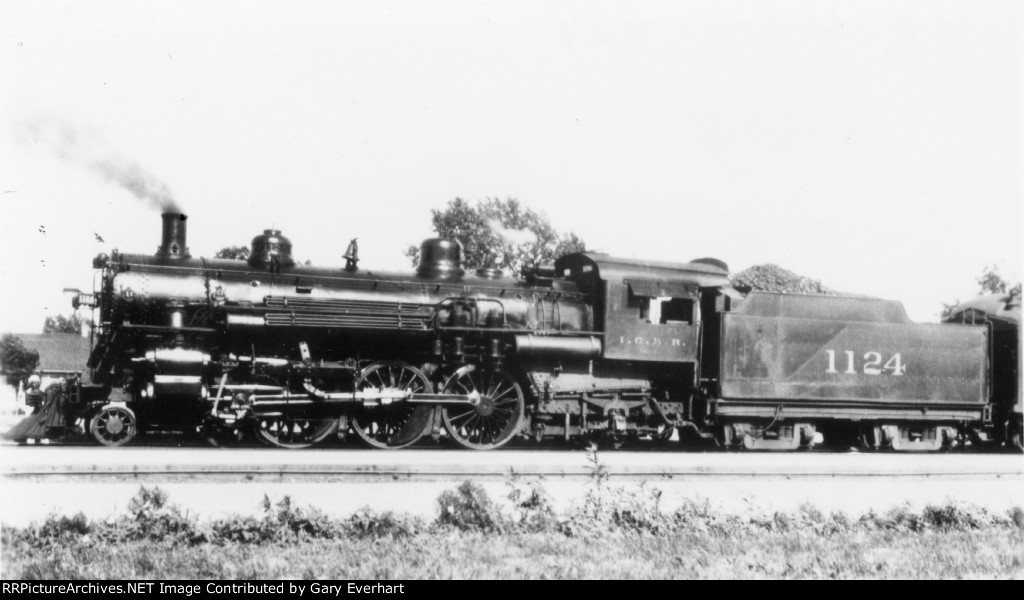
[[114, 425], [398, 424], [494, 416]]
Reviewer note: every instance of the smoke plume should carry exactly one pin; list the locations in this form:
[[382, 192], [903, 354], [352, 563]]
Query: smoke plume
[[512, 236], [85, 148]]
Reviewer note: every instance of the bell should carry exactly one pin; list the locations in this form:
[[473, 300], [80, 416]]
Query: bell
[[351, 255]]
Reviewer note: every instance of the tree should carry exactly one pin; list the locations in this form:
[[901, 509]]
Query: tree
[[990, 282], [233, 252], [502, 233], [16, 360], [62, 324]]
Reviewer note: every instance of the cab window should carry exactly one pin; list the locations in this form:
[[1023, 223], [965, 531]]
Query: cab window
[[656, 309]]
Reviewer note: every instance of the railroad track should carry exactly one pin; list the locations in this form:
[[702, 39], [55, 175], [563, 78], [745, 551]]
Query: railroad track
[[164, 464]]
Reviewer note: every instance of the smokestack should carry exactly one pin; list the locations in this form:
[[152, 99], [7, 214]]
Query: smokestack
[[172, 246]]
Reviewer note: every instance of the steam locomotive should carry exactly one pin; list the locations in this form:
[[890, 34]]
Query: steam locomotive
[[593, 347]]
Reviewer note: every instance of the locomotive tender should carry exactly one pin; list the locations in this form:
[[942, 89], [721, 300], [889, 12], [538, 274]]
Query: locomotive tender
[[596, 346]]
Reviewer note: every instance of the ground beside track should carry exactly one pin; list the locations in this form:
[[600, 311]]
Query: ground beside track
[[37, 481]]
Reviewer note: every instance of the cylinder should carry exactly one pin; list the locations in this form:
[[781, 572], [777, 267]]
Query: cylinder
[[538, 346], [173, 241]]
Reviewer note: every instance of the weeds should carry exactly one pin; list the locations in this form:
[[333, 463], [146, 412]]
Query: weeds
[[285, 523], [945, 517], [531, 505], [691, 540], [63, 527], [607, 508], [367, 523], [604, 510], [151, 517]]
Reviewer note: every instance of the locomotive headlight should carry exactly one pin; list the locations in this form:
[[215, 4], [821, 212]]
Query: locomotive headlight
[[149, 390]]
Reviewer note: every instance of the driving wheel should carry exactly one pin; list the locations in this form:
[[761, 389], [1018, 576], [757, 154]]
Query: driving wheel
[[395, 424], [293, 432], [495, 413]]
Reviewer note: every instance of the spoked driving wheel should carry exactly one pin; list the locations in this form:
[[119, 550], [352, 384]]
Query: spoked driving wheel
[[113, 425], [495, 414], [293, 432], [394, 424]]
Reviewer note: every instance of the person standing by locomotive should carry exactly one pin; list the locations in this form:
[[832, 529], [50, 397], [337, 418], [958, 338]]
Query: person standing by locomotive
[[33, 393]]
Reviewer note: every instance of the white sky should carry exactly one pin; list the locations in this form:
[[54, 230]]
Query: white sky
[[872, 145]]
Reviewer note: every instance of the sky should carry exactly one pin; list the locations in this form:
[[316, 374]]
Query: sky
[[875, 146]]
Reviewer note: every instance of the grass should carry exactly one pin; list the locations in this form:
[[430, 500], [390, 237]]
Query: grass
[[460, 554], [615, 532]]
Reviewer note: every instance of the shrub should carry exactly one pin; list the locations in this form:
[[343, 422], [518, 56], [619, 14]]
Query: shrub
[[615, 508], [281, 522], [638, 510], [618, 509], [605, 510], [950, 516], [837, 524], [897, 518], [469, 508], [1017, 517], [367, 523], [60, 527], [237, 529], [531, 505], [151, 517], [288, 520]]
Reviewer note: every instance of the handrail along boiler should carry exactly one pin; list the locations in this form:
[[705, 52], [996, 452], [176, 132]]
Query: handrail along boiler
[[594, 347]]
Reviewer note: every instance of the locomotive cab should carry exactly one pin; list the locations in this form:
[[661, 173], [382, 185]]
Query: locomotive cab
[[648, 311]]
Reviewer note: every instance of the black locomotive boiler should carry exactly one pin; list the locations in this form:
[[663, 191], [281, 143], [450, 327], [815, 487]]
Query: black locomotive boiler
[[595, 347]]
